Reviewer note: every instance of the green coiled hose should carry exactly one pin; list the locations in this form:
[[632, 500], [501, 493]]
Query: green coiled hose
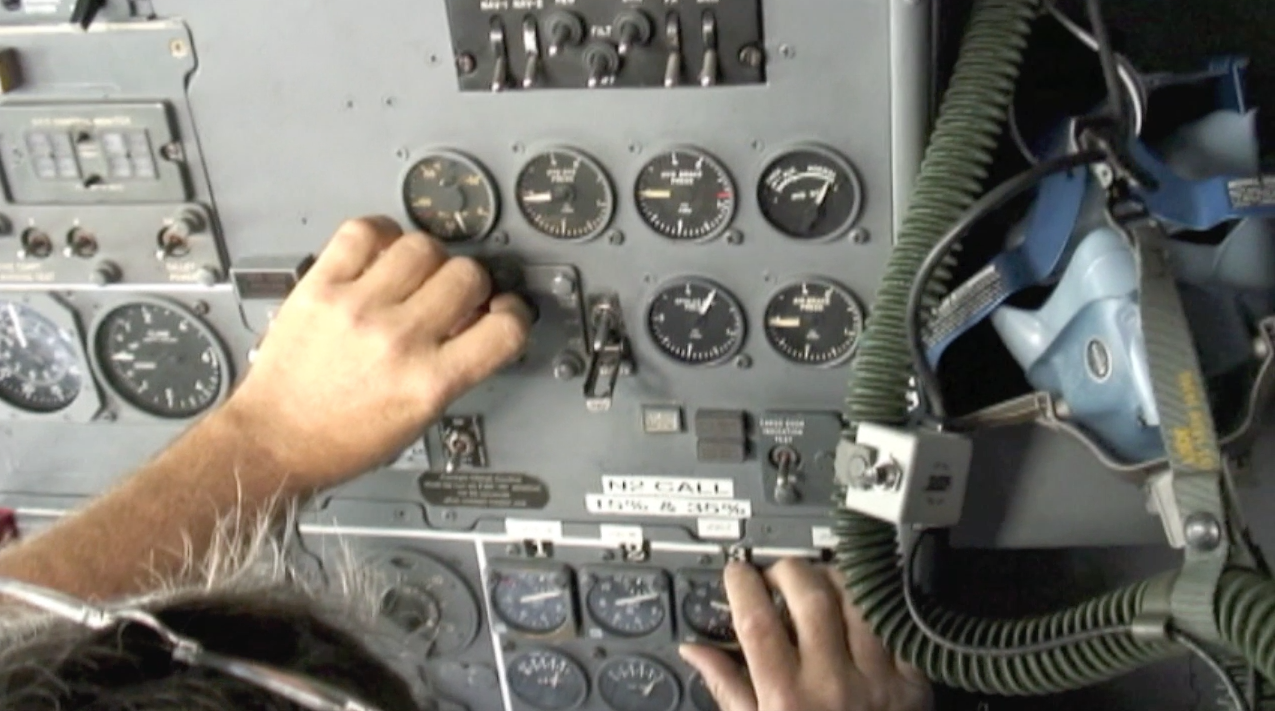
[[951, 178], [1246, 617]]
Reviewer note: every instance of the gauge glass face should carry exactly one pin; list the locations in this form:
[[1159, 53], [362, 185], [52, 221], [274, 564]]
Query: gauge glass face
[[638, 684], [809, 194], [565, 195], [547, 680], [628, 605], [160, 359], [707, 611], [40, 367], [814, 322], [701, 698], [450, 197], [537, 602], [697, 322], [685, 195]]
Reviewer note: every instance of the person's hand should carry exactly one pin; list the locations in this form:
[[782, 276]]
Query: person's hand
[[829, 661], [381, 334]]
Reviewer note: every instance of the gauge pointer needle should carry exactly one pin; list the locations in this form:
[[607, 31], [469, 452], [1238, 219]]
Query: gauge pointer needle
[[460, 219], [636, 599], [720, 606], [540, 597], [818, 203], [17, 326], [646, 690], [537, 197], [708, 303]]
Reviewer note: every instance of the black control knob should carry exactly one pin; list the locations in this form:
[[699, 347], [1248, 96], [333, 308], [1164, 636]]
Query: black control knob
[[602, 62], [565, 29], [633, 28], [106, 273], [36, 244]]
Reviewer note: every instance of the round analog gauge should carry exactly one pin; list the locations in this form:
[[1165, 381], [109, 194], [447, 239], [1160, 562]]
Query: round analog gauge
[[697, 322], [814, 322], [547, 680], [628, 604], [810, 193], [533, 601], [450, 197], [429, 602], [565, 195], [638, 684], [160, 359], [707, 611], [685, 194], [40, 367], [701, 698]]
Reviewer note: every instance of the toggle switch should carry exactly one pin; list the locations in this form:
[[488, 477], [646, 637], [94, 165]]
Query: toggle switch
[[709, 71], [673, 38], [602, 62], [531, 44], [565, 29], [632, 28], [500, 73]]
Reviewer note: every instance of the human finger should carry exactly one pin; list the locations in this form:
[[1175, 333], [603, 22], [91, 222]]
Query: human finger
[[815, 609], [493, 341], [353, 247], [451, 295], [869, 654], [725, 680], [401, 269], [772, 661]]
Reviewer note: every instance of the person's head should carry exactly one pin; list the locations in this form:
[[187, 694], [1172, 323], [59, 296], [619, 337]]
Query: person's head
[[129, 668]]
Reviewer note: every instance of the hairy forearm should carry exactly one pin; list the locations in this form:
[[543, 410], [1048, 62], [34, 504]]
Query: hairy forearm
[[164, 515]]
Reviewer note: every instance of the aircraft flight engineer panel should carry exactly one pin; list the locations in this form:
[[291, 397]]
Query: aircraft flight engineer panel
[[697, 196]]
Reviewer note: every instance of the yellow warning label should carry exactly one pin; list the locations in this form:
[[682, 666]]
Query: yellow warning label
[[1193, 443]]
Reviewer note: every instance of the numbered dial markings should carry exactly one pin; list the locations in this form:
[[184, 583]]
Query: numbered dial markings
[[706, 611], [547, 680], [697, 322], [39, 362], [565, 195], [628, 605], [638, 684], [450, 197], [814, 322], [160, 359], [810, 193], [685, 195], [531, 601]]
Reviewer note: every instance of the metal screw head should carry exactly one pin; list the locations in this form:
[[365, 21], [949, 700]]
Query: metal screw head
[[567, 366], [787, 51], [705, 559], [1203, 531], [599, 653], [178, 48], [734, 237], [518, 148], [635, 147], [513, 549], [563, 286], [615, 237], [172, 151], [743, 362], [449, 515], [860, 236], [465, 63], [402, 154], [751, 56], [608, 555], [499, 238], [201, 307], [108, 416]]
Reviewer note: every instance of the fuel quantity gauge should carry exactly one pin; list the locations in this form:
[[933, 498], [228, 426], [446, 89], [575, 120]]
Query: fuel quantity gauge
[[810, 193], [547, 680]]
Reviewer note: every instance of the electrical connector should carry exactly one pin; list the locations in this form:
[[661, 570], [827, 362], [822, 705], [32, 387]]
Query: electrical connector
[[906, 477]]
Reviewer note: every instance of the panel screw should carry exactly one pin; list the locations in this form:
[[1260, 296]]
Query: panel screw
[[108, 416], [567, 366], [201, 308], [563, 287], [500, 238], [608, 555], [787, 51], [759, 145], [743, 362], [859, 236], [465, 63], [615, 237], [402, 154], [172, 152], [449, 515], [178, 48], [513, 549], [751, 56], [705, 559], [518, 147], [635, 147], [599, 653], [1203, 532], [734, 237]]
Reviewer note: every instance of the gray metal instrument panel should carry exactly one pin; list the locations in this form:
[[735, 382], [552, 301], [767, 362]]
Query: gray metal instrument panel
[[698, 196]]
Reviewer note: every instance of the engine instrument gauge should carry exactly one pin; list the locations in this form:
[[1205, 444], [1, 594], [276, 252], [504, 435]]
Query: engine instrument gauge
[[628, 604], [566, 195], [706, 610], [532, 601], [547, 680], [430, 602], [161, 359], [451, 197], [814, 322], [696, 322], [40, 369], [810, 193], [638, 684], [685, 194]]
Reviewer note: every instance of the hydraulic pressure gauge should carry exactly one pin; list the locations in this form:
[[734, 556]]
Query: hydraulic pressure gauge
[[566, 195], [547, 680], [814, 322], [628, 604], [39, 363], [533, 601], [685, 194], [696, 322], [810, 193], [450, 197], [706, 611], [162, 359], [638, 684]]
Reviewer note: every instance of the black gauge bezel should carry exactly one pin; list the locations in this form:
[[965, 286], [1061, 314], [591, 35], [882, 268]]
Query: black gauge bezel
[[593, 164], [725, 294], [838, 286], [470, 163], [842, 164], [645, 659], [571, 663], [504, 625], [716, 164], [86, 402], [598, 628], [104, 375]]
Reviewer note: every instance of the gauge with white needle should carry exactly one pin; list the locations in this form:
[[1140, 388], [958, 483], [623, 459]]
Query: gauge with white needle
[[696, 322], [814, 322], [566, 195], [451, 197], [638, 684], [40, 367], [547, 680], [706, 611], [531, 601], [628, 604], [810, 193]]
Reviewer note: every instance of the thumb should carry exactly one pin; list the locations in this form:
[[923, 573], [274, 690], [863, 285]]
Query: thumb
[[725, 680]]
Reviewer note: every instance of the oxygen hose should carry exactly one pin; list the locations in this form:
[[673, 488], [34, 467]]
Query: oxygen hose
[[955, 165], [1246, 617]]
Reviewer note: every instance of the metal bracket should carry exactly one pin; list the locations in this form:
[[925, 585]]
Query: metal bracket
[[610, 355]]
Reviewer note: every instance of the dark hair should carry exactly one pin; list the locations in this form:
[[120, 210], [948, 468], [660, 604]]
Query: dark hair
[[128, 669]]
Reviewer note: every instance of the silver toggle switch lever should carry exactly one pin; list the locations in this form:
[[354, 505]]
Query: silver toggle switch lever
[[610, 357], [673, 38], [500, 74], [708, 72], [531, 44]]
